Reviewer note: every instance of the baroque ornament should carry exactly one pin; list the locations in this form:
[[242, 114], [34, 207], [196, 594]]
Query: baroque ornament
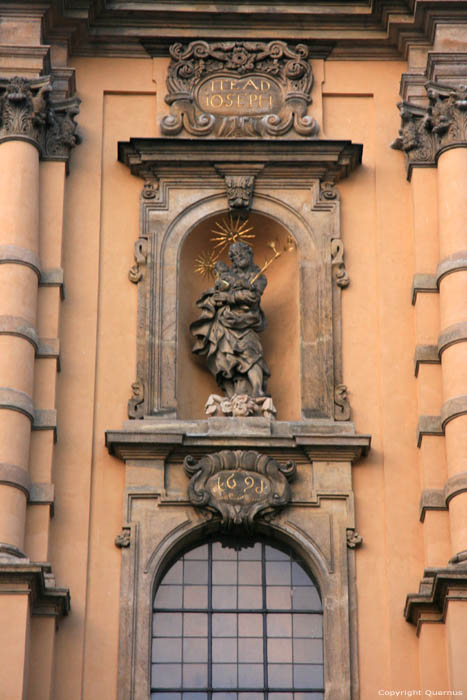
[[239, 88], [27, 111], [239, 485]]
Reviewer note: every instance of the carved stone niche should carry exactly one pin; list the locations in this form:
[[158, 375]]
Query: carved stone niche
[[294, 195]]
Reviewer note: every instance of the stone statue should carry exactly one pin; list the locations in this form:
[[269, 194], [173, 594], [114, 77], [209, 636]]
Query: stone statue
[[227, 335]]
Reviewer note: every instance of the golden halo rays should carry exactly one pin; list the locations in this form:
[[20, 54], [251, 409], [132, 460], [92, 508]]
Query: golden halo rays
[[227, 231]]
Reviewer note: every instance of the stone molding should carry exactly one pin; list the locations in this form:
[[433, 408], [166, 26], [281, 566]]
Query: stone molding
[[17, 477], [14, 400], [426, 132], [45, 419], [452, 408], [38, 582], [423, 284], [428, 425], [42, 494], [239, 183], [437, 587], [425, 354], [15, 255], [455, 485], [457, 333], [29, 113], [53, 277], [15, 325], [453, 263]]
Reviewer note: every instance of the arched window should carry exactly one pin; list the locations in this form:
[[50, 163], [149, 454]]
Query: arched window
[[237, 623]]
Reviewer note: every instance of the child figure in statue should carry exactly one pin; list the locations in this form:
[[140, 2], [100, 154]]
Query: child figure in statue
[[231, 318]]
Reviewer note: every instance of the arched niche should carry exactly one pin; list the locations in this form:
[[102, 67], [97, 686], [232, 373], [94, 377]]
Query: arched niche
[[280, 303]]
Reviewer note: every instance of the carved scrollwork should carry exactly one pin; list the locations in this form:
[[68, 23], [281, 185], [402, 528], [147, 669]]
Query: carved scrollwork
[[341, 403], [239, 88], [61, 133], [328, 191], [337, 261], [135, 273], [415, 140], [239, 485], [136, 403]]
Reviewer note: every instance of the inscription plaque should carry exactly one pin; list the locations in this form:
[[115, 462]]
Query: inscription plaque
[[239, 88], [239, 485]]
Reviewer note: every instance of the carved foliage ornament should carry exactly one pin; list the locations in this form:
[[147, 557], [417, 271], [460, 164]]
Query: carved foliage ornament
[[27, 110], [239, 88], [239, 485], [425, 131]]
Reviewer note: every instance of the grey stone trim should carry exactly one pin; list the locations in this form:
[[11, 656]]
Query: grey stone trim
[[423, 283], [12, 475], [43, 494], [53, 277], [453, 263], [15, 325], [455, 485], [457, 406], [10, 553], [16, 255], [428, 425], [15, 400], [431, 499], [457, 333], [437, 587], [428, 354], [46, 598], [49, 347], [45, 419]]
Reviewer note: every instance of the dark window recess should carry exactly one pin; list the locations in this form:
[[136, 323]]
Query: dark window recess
[[232, 623]]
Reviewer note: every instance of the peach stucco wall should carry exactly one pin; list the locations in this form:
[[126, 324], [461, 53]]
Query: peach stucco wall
[[121, 99]]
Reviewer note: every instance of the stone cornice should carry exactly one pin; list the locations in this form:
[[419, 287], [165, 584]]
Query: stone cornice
[[310, 157], [437, 588], [29, 113], [45, 597]]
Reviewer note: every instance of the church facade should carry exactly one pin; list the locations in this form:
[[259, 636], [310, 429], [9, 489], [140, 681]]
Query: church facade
[[233, 350]]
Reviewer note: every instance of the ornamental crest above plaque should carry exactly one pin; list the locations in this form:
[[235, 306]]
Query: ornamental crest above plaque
[[239, 88], [239, 485]]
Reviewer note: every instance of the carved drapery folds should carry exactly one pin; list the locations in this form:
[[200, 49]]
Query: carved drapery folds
[[239, 485], [239, 88], [28, 111], [425, 132]]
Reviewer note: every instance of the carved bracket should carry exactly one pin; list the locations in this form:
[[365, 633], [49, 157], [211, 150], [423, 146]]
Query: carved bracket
[[135, 273], [337, 261], [341, 403], [239, 485], [136, 403], [354, 540], [239, 88], [123, 539]]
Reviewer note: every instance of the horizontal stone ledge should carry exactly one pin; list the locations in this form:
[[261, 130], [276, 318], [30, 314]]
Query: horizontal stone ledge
[[423, 284], [437, 587], [49, 348], [452, 408], [16, 255], [20, 327], [431, 499], [14, 400], [45, 419], [426, 354], [453, 263], [53, 277], [455, 485], [457, 333], [38, 582], [428, 425]]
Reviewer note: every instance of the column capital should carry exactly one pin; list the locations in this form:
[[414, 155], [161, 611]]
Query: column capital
[[29, 112], [428, 131]]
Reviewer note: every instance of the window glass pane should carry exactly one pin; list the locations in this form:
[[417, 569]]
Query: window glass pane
[[220, 552], [224, 625], [308, 676], [308, 651], [224, 675], [251, 649], [250, 625], [280, 650], [224, 572], [167, 649], [279, 625], [249, 572], [251, 553], [224, 597], [198, 553], [250, 597], [195, 696], [306, 598], [279, 597], [278, 573], [307, 625], [165, 696], [195, 624], [273, 554], [299, 575], [167, 675], [175, 573], [224, 649], [195, 572], [195, 675], [167, 624], [196, 649], [250, 675], [195, 596], [280, 675], [169, 597]]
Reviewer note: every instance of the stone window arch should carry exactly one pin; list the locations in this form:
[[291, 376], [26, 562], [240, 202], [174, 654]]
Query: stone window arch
[[237, 620]]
